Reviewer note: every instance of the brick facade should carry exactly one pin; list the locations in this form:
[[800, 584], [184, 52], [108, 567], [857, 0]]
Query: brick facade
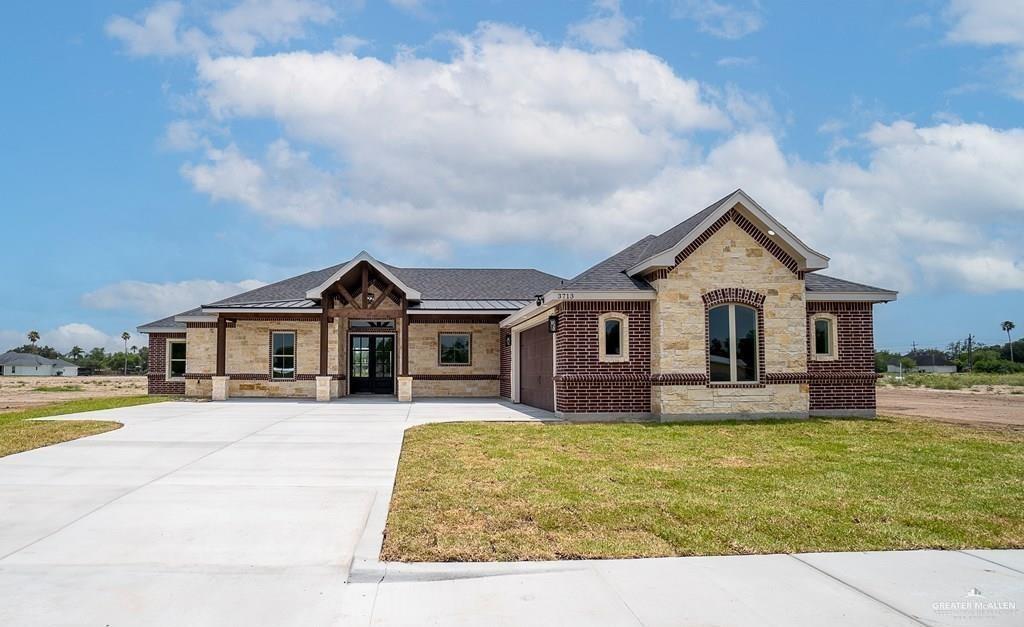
[[583, 383], [847, 382], [157, 377], [505, 365]]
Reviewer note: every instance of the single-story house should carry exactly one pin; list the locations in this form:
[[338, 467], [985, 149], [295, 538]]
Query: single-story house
[[32, 365], [724, 314]]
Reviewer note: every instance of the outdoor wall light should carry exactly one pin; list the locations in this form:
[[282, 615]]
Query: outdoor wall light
[[508, 339], [552, 324], [540, 299]]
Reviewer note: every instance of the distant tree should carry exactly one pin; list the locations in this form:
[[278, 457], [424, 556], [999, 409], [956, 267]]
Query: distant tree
[[126, 336], [1009, 326], [76, 352], [908, 364], [883, 358], [43, 351], [33, 337]]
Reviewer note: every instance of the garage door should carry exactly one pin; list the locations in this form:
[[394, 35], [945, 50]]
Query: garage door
[[536, 368]]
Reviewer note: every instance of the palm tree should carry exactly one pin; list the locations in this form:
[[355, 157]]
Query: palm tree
[[1009, 326], [75, 352], [33, 337], [125, 336]]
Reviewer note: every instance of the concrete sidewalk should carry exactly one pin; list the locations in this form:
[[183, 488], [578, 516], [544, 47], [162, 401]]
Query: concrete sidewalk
[[272, 513]]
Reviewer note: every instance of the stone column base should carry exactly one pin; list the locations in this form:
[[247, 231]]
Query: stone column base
[[323, 389], [405, 389], [220, 388]]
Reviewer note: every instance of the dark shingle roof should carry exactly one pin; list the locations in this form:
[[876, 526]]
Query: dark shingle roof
[[610, 274], [671, 237], [432, 283], [821, 283], [30, 360], [169, 322]]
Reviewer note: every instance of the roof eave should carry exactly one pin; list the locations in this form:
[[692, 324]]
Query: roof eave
[[813, 260], [855, 297], [150, 329], [317, 292]]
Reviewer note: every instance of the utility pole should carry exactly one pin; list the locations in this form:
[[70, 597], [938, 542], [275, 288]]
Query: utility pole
[[970, 342]]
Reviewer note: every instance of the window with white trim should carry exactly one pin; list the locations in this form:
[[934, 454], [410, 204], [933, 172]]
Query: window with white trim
[[176, 353], [732, 344], [613, 337], [824, 344], [283, 355], [454, 349]]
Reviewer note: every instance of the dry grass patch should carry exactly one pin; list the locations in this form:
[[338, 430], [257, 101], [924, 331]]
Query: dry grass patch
[[506, 491], [19, 432]]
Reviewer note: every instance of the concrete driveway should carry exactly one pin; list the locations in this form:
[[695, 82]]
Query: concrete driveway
[[271, 513]]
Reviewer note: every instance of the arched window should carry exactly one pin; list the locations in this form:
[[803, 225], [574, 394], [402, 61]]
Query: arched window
[[613, 337], [732, 343]]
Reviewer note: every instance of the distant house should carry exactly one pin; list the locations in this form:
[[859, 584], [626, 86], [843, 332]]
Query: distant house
[[30, 365], [931, 360]]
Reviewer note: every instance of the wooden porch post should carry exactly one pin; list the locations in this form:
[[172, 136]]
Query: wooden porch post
[[324, 319], [222, 325], [405, 337]]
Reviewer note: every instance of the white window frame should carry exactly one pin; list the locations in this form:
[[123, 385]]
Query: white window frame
[[167, 358], [623, 320], [833, 339], [294, 355], [733, 342]]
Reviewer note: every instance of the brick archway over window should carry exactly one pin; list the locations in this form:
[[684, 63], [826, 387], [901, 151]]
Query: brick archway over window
[[734, 296]]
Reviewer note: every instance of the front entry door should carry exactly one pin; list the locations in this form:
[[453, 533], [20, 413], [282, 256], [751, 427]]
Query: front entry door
[[372, 364]]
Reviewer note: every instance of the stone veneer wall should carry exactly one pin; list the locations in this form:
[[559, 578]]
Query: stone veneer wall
[[586, 385], [846, 383], [247, 358], [730, 257], [157, 375], [430, 378]]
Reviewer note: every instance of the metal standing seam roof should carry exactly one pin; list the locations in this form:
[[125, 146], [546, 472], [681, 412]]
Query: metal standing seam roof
[[481, 305]]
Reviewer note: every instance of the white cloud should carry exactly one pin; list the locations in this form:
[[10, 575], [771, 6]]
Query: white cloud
[[720, 19], [349, 44], [181, 135], [606, 27], [993, 23], [977, 272], [986, 22], [736, 61], [160, 299], [160, 31], [157, 32]]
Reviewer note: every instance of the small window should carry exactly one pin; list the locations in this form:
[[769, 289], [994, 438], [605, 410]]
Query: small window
[[176, 360], [823, 336], [732, 344], [373, 324], [283, 351], [613, 337], [454, 349]]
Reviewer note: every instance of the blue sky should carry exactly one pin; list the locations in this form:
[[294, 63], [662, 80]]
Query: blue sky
[[161, 155]]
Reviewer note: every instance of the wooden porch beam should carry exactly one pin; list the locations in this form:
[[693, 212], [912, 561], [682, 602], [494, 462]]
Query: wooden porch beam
[[324, 319], [222, 325], [348, 297], [405, 337], [366, 282], [364, 313], [383, 297]]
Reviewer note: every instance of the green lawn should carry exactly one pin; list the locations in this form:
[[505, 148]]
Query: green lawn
[[506, 491], [19, 433], [958, 381]]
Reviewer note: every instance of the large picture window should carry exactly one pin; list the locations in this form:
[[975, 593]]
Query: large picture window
[[283, 355], [454, 349], [176, 359], [732, 344]]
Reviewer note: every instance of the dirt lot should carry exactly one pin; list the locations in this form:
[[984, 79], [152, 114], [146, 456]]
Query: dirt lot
[[968, 406], [18, 392]]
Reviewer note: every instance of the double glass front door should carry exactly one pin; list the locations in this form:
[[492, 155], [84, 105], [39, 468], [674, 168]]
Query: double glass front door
[[371, 364]]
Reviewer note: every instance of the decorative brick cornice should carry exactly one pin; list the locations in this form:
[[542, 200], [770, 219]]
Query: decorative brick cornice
[[455, 377], [256, 376], [738, 295], [844, 375], [786, 377], [604, 306], [680, 378], [602, 378]]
